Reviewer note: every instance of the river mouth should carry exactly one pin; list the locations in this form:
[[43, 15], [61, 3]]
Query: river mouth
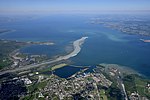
[[77, 48]]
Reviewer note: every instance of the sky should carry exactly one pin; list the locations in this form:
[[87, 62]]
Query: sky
[[39, 6]]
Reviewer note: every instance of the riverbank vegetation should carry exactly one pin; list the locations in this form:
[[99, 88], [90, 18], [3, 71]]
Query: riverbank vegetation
[[137, 84], [6, 48]]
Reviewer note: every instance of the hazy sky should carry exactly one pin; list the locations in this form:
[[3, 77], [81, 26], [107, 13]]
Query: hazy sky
[[17, 6]]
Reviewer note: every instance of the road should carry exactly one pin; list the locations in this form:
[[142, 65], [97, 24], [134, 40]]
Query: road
[[121, 85], [77, 48]]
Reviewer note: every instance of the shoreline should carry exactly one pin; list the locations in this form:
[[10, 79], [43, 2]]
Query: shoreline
[[7, 31], [121, 68], [77, 48], [147, 41]]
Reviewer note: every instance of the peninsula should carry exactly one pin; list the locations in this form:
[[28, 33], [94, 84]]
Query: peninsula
[[145, 40], [76, 49]]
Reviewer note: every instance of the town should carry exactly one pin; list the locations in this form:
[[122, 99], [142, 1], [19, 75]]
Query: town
[[101, 84], [130, 25]]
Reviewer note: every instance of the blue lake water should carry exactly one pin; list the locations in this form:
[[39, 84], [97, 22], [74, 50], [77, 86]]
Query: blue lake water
[[101, 49], [66, 71], [104, 45]]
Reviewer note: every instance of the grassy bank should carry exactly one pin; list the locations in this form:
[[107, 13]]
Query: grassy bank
[[58, 66]]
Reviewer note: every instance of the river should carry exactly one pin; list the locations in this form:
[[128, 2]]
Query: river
[[76, 49]]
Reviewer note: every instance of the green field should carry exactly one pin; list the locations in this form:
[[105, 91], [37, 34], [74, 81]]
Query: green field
[[141, 86], [103, 95], [58, 66], [6, 47], [137, 84]]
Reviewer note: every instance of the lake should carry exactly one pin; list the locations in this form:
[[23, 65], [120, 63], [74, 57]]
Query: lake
[[104, 45], [67, 71]]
